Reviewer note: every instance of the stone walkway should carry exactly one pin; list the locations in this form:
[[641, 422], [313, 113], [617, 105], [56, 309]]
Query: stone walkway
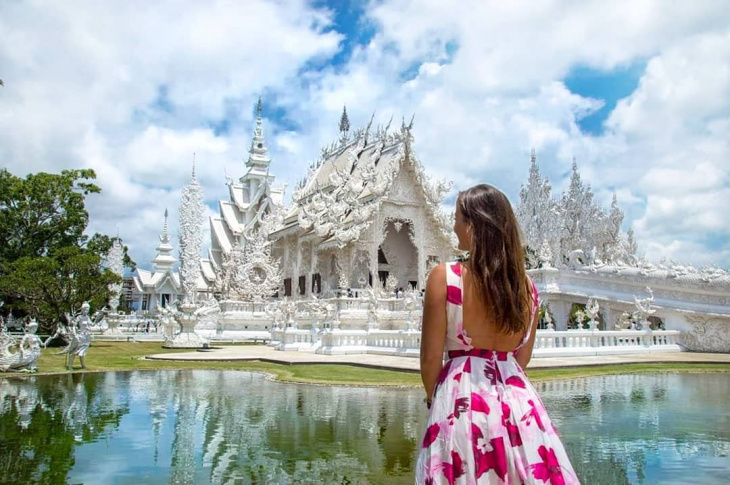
[[267, 354]]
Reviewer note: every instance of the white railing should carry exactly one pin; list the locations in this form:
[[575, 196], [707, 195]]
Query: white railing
[[394, 339], [341, 338], [233, 306], [587, 342]]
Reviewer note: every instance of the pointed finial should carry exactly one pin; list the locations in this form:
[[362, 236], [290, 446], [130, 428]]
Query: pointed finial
[[259, 108], [164, 237], [193, 167], [533, 156], [344, 121]]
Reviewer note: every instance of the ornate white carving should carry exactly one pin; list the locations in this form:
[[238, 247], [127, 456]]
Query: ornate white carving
[[592, 309], [250, 273], [707, 334], [192, 211], [115, 259], [391, 283], [20, 355], [557, 227], [644, 309]]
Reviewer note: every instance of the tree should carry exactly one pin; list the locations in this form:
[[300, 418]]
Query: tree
[[43, 212], [48, 287], [48, 266]]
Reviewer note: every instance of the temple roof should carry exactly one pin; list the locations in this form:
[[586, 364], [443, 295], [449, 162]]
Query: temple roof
[[344, 188]]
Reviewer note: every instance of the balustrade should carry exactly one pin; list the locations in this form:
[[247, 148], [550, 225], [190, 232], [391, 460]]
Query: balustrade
[[606, 340]]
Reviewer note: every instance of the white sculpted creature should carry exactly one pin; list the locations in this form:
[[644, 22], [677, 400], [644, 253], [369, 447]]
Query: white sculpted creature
[[28, 350], [644, 308], [76, 335], [592, 309]]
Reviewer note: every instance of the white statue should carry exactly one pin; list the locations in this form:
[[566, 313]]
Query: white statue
[[77, 336], [391, 283], [28, 350], [372, 298], [410, 303], [592, 310], [644, 309]]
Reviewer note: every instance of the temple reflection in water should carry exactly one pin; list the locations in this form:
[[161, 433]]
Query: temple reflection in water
[[237, 427]]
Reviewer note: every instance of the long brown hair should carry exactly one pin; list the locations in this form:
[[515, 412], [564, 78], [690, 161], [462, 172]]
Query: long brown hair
[[496, 260]]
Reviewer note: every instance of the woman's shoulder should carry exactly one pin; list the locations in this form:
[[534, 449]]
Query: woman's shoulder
[[438, 273]]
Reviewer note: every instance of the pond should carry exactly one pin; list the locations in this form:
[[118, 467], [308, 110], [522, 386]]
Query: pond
[[237, 427]]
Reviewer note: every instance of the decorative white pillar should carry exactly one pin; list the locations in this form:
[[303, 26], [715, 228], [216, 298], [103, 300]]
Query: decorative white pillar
[[192, 210]]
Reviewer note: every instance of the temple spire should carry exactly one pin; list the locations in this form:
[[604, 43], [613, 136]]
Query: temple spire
[[344, 121], [164, 259], [165, 237], [258, 153], [193, 178]]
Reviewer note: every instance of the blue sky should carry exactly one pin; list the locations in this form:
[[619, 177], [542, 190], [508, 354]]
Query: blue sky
[[120, 88], [608, 86]]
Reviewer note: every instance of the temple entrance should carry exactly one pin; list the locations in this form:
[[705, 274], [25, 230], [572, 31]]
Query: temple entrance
[[397, 255]]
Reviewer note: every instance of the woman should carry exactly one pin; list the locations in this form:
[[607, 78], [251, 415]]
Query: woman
[[486, 423]]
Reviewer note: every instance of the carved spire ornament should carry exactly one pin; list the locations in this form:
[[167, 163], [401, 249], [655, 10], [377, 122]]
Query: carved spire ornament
[[344, 121], [192, 210], [560, 228], [115, 258]]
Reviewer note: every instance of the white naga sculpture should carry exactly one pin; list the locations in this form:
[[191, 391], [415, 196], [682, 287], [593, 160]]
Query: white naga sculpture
[[20, 356]]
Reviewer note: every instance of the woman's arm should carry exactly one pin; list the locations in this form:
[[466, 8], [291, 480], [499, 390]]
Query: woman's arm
[[525, 353], [433, 330]]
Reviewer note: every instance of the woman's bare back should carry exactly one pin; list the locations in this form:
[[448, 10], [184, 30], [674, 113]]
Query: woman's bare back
[[479, 323]]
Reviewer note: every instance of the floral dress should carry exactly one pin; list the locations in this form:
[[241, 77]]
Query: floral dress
[[487, 423]]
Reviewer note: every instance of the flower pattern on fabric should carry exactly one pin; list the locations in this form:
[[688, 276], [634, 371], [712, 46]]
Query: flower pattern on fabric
[[549, 470], [487, 423], [431, 434], [533, 413]]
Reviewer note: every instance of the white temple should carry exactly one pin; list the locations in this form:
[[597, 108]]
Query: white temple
[[339, 269], [364, 213], [249, 200], [161, 287]]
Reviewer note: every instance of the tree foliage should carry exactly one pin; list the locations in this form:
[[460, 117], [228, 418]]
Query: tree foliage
[[43, 212], [48, 266]]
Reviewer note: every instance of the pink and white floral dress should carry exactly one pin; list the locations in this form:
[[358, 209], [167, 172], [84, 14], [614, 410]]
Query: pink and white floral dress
[[487, 423]]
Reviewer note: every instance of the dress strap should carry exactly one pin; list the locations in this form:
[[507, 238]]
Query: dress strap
[[535, 305], [456, 336]]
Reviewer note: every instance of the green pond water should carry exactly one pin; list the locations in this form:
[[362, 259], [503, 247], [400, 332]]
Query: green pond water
[[237, 427]]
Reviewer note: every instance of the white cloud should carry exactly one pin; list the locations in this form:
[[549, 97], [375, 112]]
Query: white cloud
[[132, 89], [83, 84]]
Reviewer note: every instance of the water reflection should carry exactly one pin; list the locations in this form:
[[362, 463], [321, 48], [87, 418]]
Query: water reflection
[[236, 427]]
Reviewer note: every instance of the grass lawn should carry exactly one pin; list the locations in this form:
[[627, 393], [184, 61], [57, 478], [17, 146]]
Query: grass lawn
[[126, 356]]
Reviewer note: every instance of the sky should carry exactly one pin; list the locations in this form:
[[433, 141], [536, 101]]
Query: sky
[[638, 92]]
